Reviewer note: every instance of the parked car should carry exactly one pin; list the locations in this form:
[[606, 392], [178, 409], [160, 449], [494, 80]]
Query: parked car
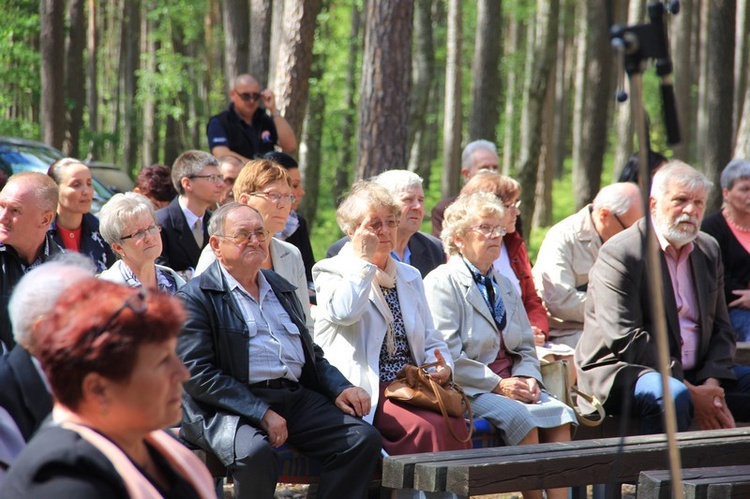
[[110, 175], [20, 155]]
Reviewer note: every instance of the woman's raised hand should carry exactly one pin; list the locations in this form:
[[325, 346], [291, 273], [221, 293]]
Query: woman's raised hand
[[365, 240]]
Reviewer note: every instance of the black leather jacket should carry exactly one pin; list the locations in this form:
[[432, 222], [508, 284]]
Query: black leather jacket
[[214, 347]]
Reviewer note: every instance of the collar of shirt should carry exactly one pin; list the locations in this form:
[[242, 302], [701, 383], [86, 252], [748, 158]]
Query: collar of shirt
[[189, 215], [407, 256], [234, 284]]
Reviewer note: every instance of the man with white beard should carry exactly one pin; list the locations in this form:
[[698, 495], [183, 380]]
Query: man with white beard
[[616, 358]]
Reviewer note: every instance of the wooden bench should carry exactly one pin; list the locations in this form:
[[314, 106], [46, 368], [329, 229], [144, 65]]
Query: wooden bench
[[697, 483], [611, 460]]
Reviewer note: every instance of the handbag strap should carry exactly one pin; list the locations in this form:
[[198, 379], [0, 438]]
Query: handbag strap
[[441, 403], [583, 418]]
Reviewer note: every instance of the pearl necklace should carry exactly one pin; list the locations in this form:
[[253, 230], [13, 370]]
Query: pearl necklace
[[741, 228]]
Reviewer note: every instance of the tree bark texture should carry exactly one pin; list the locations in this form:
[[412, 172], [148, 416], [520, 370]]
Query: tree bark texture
[[742, 145], [718, 146], [52, 45], [236, 20], [593, 92], [260, 39], [344, 166], [535, 93], [310, 160], [423, 70], [701, 115], [485, 102], [513, 46], [129, 64], [384, 87], [681, 39], [295, 59], [741, 62], [92, 90], [75, 91], [452, 114]]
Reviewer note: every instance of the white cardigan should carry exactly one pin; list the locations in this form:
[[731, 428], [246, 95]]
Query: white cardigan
[[350, 324]]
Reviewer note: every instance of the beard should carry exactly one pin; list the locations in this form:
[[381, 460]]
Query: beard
[[672, 230]]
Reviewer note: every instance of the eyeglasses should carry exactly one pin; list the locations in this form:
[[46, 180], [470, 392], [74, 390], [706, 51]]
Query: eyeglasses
[[619, 221], [214, 177], [377, 226], [516, 205], [136, 303], [242, 238], [139, 235], [276, 197], [489, 230], [248, 96]]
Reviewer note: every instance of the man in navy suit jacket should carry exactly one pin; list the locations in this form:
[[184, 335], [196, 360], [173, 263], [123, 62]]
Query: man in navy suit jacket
[[199, 184]]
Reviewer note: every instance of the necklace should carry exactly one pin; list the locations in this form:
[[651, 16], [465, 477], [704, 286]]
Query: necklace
[[741, 228]]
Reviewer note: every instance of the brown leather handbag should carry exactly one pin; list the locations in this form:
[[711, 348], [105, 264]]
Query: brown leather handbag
[[414, 386]]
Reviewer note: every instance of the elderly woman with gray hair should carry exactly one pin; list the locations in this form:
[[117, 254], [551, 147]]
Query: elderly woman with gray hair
[[128, 223], [731, 228], [484, 323], [372, 319], [422, 251]]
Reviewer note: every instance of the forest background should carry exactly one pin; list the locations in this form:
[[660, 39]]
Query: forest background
[[370, 85]]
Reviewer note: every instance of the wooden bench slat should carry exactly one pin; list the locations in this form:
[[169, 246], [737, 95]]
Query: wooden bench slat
[[545, 470], [729, 491], [657, 484]]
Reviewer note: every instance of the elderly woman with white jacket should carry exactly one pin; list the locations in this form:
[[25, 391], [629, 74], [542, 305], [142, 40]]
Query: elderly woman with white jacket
[[372, 319], [485, 325]]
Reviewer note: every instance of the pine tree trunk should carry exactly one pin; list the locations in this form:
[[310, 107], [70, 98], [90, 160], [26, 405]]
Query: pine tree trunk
[[681, 38], [718, 147], [510, 139], [130, 62], [701, 129], [92, 97], [452, 114], [236, 20], [75, 92], [150, 140], [310, 160], [344, 166], [260, 39], [535, 92], [423, 71], [52, 48], [384, 87], [295, 59], [485, 110], [592, 97], [563, 86], [546, 174], [741, 60]]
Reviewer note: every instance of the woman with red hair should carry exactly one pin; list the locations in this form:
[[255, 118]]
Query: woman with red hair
[[109, 354]]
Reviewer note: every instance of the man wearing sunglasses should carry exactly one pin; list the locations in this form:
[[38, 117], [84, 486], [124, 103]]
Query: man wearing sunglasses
[[247, 129]]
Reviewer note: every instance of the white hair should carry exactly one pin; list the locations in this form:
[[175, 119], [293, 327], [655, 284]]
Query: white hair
[[617, 198], [37, 292], [681, 174], [398, 180], [467, 160]]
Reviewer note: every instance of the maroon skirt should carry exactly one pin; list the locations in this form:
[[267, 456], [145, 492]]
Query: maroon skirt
[[406, 429]]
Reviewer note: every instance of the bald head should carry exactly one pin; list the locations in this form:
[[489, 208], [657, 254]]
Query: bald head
[[615, 208]]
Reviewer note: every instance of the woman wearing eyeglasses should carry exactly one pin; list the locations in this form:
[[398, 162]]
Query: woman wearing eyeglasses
[[513, 262], [128, 224], [109, 354], [372, 320], [484, 323], [267, 187], [74, 227]]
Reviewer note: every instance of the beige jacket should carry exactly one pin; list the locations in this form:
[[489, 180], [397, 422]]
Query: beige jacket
[[561, 273], [461, 314]]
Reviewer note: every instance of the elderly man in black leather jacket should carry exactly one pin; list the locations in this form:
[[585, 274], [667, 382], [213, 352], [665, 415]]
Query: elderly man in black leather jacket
[[257, 379]]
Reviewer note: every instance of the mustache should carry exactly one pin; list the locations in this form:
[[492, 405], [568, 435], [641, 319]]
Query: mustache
[[686, 218]]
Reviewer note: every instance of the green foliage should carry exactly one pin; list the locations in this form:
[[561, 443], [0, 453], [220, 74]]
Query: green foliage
[[20, 81]]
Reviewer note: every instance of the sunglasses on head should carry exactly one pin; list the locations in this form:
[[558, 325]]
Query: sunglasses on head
[[248, 96]]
